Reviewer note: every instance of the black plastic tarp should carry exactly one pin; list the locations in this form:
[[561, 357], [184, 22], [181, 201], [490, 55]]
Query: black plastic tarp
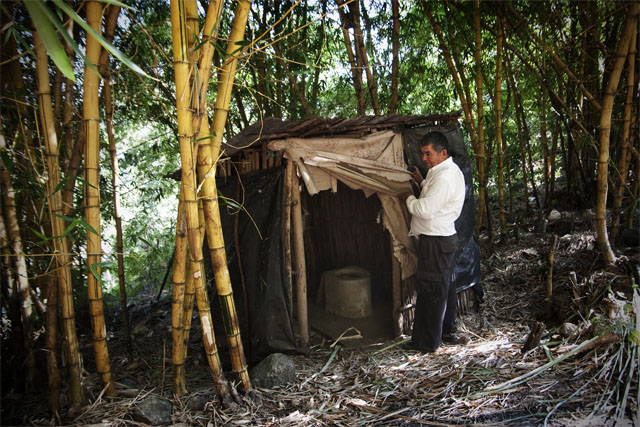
[[259, 228]]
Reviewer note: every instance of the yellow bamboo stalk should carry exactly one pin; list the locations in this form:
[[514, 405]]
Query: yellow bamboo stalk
[[57, 226], [177, 307], [112, 18], [210, 198], [624, 158], [91, 117], [605, 131], [180, 309], [51, 336]]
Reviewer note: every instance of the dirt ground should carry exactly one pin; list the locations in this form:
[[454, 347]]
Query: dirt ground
[[585, 374]]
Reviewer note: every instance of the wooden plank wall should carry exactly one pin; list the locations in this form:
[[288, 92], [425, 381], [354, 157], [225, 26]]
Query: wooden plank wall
[[249, 160]]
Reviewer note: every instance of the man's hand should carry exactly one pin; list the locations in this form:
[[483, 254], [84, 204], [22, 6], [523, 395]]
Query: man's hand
[[417, 175], [403, 197]]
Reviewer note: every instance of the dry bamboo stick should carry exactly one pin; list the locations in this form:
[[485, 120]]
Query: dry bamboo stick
[[396, 316], [286, 233], [299, 265]]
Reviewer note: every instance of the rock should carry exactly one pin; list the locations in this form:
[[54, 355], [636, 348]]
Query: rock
[[140, 329], [554, 216], [154, 410], [276, 369], [567, 329], [197, 402]]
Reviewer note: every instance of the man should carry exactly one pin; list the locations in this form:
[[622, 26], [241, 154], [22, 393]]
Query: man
[[433, 215]]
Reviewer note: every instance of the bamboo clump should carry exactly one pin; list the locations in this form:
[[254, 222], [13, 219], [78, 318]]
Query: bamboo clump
[[188, 124]]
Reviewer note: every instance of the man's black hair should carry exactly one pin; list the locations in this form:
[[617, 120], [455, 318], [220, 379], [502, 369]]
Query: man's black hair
[[437, 140]]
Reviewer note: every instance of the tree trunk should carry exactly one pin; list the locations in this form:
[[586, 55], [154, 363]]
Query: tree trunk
[[91, 119], [480, 152], [57, 226], [624, 157], [457, 73], [605, 130], [178, 352], [51, 332], [395, 48], [499, 147], [546, 161], [354, 7], [517, 108], [356, 70], [110, 25], [20, 267]]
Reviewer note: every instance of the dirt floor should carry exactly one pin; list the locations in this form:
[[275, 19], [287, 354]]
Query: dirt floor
[[582, 373]]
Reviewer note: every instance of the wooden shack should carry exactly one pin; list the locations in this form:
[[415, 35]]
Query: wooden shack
[[330, 188]]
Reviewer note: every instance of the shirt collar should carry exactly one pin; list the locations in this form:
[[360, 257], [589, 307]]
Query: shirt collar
[[442, 163]]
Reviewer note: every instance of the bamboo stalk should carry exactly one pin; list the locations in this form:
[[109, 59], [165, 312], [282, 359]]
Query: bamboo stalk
[[299, 264], [91, 117], [178, 352], [51, 336], [624, 158], [552, 252], [20, 265], [605, 130], [57, 227], [210, 196]]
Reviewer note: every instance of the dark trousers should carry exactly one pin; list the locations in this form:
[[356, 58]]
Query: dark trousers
[[436, 305]]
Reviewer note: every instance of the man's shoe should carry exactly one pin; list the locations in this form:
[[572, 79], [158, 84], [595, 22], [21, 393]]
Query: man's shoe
[[410, 346], [454, 339]]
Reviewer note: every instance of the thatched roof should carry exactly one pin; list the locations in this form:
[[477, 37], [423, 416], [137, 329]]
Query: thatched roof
[[271, 128]]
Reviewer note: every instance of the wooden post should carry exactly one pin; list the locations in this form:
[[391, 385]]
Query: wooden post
[[286, 232], [397, 294], [299, 262]]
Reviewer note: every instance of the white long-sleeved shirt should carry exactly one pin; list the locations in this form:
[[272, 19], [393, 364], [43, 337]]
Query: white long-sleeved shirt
[[440, 203]]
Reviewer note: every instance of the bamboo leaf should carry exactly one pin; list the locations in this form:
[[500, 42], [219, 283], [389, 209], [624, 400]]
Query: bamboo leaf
[[55, 20], [108, 46], [66, 218], [86, 226], [118, 3], [45, 29], [69, 228], [94, 270], [145, 241], [84, 182], [111, 48], [41, 236]]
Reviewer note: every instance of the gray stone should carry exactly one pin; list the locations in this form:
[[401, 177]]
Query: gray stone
[[197, 402], [568, 329], [154, 410], [276, 369]]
